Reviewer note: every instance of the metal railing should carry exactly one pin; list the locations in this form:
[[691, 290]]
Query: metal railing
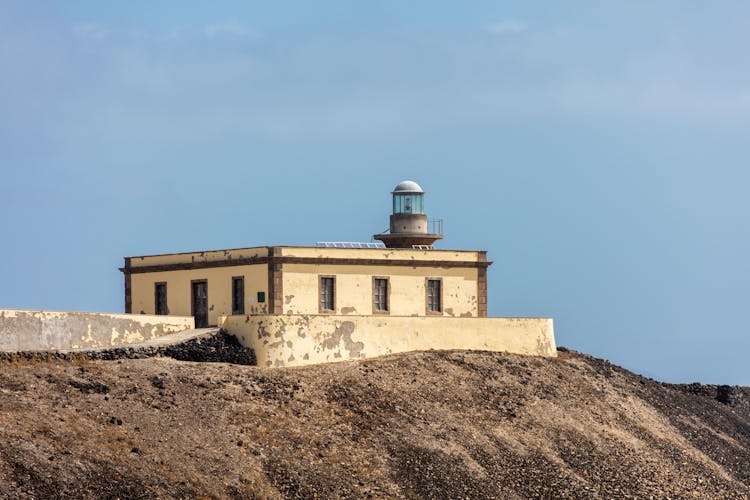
[[435, 226]]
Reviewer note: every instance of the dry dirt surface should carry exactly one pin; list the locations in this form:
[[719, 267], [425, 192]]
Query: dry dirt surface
[[455, 424]]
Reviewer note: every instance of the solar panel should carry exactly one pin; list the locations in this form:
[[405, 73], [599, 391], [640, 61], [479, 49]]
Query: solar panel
[[349, 244]]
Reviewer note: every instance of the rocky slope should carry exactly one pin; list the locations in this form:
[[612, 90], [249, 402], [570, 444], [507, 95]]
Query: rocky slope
[[421, 425]]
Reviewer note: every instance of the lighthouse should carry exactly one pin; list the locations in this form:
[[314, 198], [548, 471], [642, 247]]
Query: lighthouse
[[409, 227]]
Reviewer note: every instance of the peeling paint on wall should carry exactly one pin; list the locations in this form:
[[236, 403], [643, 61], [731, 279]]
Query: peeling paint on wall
[[326, 338], [407, 293], [24, 330]]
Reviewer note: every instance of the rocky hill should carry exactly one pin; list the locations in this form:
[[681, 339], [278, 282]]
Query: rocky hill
[[422, 425]]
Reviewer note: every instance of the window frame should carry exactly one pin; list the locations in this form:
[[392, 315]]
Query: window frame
[[156, 299], [387, 309], [238, 307], [321, 310], [441, 304]]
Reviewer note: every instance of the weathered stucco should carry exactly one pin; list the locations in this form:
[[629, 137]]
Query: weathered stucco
[[380, 253], [219, 290], [296, 271], [292, 340], [353, 289], [198, 257], [22, 330]]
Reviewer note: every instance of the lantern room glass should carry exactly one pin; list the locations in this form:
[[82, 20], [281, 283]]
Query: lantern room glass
[[408, 203]]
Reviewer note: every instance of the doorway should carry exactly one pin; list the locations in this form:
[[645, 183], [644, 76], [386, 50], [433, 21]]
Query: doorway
[[200, 302]]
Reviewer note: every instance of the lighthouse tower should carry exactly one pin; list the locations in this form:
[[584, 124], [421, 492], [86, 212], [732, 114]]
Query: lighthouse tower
[[408, 220]]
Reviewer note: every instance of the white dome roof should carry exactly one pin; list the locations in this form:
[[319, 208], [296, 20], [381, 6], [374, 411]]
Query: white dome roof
[[408, 187]]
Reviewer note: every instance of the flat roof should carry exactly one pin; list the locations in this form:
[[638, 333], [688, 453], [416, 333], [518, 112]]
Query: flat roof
[[299, 246]]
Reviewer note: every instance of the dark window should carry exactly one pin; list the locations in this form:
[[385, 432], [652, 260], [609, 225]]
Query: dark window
[[327, 302], [238, 295], [160, 296], [434, 296], [261, 297], [380, 294]]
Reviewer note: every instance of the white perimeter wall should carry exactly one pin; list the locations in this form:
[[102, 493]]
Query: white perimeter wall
[[291, 340], [23, 330]]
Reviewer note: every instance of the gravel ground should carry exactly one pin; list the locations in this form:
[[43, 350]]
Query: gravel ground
[[454, 424]]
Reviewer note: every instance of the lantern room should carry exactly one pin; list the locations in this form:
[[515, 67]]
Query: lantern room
[[408, 198]]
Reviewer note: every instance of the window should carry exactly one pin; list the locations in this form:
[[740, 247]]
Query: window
[[327, 299], [261, 297], [434, 296], [160, 297], [238, 295], [380, 295]]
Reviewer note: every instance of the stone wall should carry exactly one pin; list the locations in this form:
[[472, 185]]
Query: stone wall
[[215, 347], [23, 330], [291, 340]]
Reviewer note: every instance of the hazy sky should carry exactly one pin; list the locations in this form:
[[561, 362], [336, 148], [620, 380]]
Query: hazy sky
[[598, 150]]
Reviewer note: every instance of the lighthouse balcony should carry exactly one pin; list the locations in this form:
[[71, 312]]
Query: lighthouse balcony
[[410, 232]]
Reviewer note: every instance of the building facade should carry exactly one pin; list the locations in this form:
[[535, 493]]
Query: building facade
[[308, 280]]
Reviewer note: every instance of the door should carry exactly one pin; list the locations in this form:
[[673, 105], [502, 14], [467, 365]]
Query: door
[[160, 294], [200, 303]]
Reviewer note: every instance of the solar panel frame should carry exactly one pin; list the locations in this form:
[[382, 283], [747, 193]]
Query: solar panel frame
[[349, 244]]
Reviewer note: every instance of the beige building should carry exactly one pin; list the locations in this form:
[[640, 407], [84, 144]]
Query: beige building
[[308, 280], [260, 293]]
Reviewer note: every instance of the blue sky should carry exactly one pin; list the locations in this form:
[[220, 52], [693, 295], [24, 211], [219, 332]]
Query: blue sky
[[597, 150]]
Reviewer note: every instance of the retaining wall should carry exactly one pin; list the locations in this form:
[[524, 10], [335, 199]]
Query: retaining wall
[[23, 330], [291, 340]]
